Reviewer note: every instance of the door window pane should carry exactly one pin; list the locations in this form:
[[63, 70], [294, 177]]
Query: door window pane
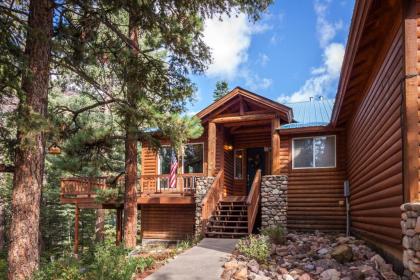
[[193, 158], [324, 151], [238, 163], [165, 153], [303, 153]]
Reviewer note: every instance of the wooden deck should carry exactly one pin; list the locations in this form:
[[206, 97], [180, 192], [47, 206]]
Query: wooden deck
[[84, 191]]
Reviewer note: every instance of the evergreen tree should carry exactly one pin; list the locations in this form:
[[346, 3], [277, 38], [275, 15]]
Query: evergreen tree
[[150, 48], [222, 88]]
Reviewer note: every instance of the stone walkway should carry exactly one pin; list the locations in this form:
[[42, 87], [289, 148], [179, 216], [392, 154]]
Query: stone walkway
[[203, 261]]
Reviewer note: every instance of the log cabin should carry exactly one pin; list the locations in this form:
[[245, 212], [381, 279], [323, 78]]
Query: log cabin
[[367, 139]]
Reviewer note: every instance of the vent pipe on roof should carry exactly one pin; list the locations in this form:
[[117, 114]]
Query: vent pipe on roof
[[321, 97], [311, 98]]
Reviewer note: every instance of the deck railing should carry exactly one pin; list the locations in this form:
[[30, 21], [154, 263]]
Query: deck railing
[[253, 200], [212, 198], [185, 184], [148, 184]]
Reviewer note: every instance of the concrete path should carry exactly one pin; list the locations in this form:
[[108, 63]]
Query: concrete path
[[202, 262]]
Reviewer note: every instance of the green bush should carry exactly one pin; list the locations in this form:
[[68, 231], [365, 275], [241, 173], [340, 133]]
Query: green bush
[[111, 262], [255, 247], [64, 269], [107, 262], [277, 234]]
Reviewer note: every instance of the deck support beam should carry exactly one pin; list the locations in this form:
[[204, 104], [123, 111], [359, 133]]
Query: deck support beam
[[211, 158], [275, 147], [119, 234], [76, 232]]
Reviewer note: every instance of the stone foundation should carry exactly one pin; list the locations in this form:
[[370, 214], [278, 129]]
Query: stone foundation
[[410, 224], [202, 184], [273, 201]]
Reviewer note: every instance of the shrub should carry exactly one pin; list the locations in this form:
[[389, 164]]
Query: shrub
[[107, 262], [277, 234], [255, 247], [111, 262], [63, 269]]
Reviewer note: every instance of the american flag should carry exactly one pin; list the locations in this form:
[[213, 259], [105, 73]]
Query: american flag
[[174, 168]]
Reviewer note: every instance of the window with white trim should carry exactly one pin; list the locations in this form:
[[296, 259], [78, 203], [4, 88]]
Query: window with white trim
[[314, 152], [165, 154], [238, 159]]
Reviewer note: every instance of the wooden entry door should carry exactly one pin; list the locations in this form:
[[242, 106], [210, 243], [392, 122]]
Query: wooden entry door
[[255, 158]]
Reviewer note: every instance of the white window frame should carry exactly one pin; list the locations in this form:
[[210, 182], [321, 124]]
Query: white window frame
[[313, 151], [234, 164], [158, 161], [202, 166]]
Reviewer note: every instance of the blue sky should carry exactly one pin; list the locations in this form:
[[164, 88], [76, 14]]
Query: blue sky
[[295, 51]]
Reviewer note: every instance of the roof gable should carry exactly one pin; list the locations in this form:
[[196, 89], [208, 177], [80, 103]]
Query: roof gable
[[233, 99]]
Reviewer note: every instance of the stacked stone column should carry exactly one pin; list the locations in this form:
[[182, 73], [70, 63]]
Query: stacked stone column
[[273, 201], [202, 185], [410, 225]]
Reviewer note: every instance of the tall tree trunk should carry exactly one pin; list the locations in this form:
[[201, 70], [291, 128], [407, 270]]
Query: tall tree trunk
[[2, 225], [99, 225], [23, 254], [130, 197]]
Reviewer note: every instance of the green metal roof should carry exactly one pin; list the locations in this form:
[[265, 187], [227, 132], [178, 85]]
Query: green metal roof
[[316, 112]]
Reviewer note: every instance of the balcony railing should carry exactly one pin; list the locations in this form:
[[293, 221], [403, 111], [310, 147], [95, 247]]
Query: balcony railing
[[87, 187]]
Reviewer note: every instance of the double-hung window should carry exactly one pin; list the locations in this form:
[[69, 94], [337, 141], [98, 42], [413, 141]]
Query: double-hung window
[[192, 158], [314, 152]]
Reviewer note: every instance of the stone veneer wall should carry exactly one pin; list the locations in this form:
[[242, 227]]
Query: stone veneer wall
[[202, 184], [273, 200], [410, 225]]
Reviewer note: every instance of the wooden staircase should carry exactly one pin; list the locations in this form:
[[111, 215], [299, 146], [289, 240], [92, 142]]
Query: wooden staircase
[[232, 216], [229, 220]]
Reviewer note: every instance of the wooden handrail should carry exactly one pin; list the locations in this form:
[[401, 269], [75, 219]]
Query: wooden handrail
[[148, 184], [212, 198], [253, 200]]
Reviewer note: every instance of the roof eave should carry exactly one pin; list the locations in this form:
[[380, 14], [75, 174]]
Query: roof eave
[[360, 13]]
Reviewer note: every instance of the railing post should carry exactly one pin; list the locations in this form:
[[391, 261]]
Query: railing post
[[76, 232]]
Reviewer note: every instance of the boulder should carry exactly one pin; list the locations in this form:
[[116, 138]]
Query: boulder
[[305, 276], [342, 253], [253, 266], [233, 264], [241, 274], [330, 274], [288, 277]]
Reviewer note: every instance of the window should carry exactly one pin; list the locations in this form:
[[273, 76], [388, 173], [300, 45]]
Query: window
[[165, 153], [238, 164], [193, 158], [314, 152]]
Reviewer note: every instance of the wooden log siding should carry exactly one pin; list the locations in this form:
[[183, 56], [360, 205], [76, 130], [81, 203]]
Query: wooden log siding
[[314, 195], [168, 222], [374, 153]]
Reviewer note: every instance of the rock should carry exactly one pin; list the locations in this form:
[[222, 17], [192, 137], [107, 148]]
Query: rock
[[282, 251], [305, 276], [288, 277], [330, 274], [255, 276], [227, 274], [309, 267], [282, 270], [233, 264], [241, 274], [253, 266], [322, 251], [342, 254]]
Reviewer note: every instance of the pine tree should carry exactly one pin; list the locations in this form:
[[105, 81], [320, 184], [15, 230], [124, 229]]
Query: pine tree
[[150, 67], [222, 88], [23, 256]]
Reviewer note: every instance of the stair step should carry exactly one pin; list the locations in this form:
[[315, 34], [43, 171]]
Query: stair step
[[228, 227], [227, 222], [231, 216], [226, 233]]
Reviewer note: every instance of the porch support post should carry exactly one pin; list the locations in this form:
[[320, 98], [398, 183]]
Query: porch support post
[[118, 227], [275, 147], [410, 105], [211, 154], [76, 231]]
